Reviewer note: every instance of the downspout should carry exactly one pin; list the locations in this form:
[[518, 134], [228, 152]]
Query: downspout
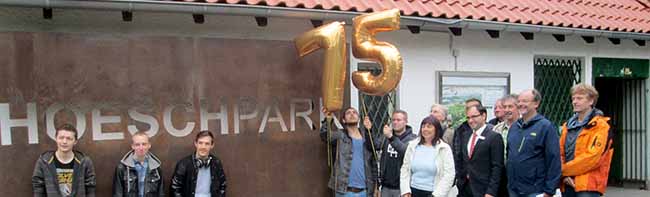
[[453, 51]]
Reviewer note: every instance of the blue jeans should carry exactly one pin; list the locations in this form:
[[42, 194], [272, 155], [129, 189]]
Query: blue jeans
[[352, 194], [571, 192], [515, 194]]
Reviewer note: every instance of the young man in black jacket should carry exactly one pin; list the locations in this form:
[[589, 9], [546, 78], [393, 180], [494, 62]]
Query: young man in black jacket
[[138, 174], [393, 144], [200, 174], [64, 172]]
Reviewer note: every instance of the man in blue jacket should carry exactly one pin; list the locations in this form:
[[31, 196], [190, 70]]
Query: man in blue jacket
[[533, 165]]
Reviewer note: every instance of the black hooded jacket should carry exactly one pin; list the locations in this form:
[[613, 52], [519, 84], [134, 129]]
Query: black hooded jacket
[[392, 157]]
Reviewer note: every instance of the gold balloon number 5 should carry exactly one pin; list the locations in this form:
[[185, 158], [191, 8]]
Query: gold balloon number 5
[[331, 37], [365, 46]]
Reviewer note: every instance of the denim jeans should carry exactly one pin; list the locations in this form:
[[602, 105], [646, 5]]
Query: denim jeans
[[351, 194], [386, 192], [515, 194]]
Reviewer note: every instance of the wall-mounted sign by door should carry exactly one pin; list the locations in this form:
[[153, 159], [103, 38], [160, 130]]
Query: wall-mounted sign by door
[[620, 68]]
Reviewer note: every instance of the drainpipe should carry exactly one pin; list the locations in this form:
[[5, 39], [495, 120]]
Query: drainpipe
[[317, 14], [647, 137]]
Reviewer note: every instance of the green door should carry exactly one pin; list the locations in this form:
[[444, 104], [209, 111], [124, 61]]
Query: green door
[[621, 85]]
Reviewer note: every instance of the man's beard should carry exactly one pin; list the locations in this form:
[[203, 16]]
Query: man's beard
[[351, 124]]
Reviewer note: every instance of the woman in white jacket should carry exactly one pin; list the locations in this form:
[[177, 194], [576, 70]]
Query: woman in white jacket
[[428, 167]]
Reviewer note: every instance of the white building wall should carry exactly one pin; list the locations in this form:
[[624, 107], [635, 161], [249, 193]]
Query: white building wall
[[423, 53]]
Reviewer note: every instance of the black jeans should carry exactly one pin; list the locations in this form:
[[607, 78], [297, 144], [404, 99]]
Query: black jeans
[[420, 193], [571, 192], [465, 191]]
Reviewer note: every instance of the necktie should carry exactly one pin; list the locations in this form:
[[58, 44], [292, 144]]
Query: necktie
[[471, 146]]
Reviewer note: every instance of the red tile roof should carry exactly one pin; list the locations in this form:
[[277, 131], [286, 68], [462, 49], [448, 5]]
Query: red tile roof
[[612, 15]]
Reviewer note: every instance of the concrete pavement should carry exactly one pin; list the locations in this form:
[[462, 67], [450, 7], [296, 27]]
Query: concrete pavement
[[626, 192]]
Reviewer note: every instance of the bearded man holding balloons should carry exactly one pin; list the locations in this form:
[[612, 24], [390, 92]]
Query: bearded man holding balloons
[[352, 156]]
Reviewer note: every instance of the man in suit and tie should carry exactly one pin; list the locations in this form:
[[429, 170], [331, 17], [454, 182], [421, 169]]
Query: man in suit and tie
[[479, 172]]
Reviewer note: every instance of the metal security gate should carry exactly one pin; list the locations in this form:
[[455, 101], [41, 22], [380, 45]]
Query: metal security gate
[[379, 108], [554, 77], [633, 133], [624, 101]]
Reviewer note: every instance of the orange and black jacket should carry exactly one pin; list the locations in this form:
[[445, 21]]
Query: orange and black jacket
[[592, 155]]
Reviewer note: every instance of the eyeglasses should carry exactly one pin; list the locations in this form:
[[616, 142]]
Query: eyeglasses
[[474, 116]]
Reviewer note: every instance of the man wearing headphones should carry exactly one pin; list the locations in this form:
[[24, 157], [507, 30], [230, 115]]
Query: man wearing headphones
[[200, 174]]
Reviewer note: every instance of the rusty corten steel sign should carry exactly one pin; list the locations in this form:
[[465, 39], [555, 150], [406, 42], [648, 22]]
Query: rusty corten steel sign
[[257, 96]]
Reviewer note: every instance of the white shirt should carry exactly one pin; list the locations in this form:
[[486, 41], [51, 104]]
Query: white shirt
[[478, 137]]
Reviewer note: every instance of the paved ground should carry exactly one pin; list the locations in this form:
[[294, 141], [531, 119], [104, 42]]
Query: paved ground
[[626, 192], [611, 191]]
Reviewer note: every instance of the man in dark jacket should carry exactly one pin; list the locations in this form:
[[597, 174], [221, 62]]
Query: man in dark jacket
[[200, 174], [463, 129], [64, 172], [482, 157], [499, 113], [533, 166], [355, 168], [393, 146], [138, 174]]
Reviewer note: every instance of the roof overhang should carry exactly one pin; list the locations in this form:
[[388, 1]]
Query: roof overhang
[[422, 23]]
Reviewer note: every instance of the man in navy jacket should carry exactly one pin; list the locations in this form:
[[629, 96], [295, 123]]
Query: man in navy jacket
[[533, 165]]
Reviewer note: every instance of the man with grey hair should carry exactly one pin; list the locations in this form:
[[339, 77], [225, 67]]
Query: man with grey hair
[[533, 166], [440, 112], [498, 112], [511, 114]]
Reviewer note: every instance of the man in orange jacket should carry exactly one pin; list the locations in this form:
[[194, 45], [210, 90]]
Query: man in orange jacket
[[585, 146]]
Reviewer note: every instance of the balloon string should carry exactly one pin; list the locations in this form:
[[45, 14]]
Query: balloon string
[[363, 104], [372, 144], [333, 170], [329, 143], [390, 103], [329, 150]]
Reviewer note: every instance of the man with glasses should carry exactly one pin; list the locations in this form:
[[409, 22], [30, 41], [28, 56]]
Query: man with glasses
[[533, 166], [481, 163], [463, 129]]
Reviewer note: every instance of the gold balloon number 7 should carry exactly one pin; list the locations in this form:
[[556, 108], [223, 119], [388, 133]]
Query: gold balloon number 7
[[331, 38]]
